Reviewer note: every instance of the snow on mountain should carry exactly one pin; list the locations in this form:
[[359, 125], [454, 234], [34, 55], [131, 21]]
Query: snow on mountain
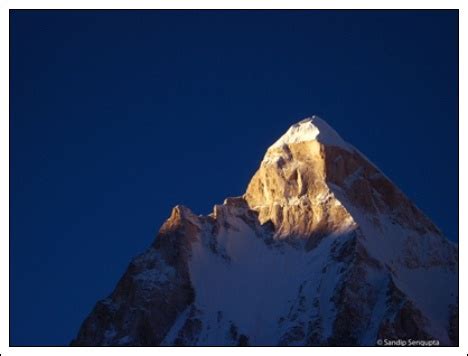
[[322, 249], [310, 129]]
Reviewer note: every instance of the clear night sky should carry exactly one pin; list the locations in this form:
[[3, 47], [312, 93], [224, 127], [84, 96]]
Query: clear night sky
[[118, 116]]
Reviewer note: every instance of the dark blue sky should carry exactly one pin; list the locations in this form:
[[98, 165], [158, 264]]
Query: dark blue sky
[[115, 117]]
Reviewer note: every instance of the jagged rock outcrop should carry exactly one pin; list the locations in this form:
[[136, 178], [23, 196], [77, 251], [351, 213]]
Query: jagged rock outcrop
[[322, 249]]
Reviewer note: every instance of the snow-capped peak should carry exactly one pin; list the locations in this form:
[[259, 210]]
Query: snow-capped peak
[[275, 266], [311, 129]]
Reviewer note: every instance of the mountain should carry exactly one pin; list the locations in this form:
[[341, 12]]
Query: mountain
[[322, 249]]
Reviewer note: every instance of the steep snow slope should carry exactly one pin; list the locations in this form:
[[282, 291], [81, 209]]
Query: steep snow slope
[[322, 249]]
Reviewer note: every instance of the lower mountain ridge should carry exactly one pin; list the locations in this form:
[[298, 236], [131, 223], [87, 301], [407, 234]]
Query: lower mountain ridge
[[322, 249]]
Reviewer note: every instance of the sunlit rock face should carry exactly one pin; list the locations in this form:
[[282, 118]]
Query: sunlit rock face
[[322, 249], [291, 189]]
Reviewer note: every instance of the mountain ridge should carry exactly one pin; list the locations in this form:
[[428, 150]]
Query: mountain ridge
[[322, 249]]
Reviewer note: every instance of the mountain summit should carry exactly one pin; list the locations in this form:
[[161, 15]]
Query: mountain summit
[[322, 249], [310, 129]]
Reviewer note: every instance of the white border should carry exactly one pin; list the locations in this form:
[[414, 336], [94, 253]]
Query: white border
[[233, 4], [4, 179], [5, 349]]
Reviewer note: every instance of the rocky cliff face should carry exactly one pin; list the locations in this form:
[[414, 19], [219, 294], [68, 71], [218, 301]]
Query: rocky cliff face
[[322, 249]]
